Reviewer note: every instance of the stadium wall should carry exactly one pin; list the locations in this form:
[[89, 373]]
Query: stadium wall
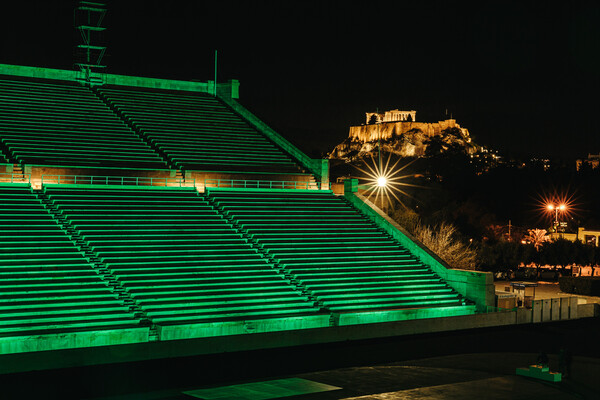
[[107, 354]]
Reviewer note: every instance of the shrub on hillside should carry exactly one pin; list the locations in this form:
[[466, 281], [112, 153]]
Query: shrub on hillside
[[442, 240]]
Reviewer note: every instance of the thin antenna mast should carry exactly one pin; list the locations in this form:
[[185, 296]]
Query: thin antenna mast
[[215, 73]]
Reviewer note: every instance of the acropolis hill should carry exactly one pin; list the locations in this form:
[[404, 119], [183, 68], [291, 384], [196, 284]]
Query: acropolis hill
[[400, 134]]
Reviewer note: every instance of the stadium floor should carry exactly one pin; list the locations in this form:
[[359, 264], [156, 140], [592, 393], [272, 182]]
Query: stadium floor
[[462, 364], [466, 376]]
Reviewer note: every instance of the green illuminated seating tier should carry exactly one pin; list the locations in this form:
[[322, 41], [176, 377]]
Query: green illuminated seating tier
[[198, 132], [46, 285], [344, 259], [178, 258], [67, 125]]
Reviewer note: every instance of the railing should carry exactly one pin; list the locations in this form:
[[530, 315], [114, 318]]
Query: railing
[[12, 178], [258, 184], [116, 180]]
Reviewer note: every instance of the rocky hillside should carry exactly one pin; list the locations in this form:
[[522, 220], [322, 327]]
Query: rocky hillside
[[411, 143]]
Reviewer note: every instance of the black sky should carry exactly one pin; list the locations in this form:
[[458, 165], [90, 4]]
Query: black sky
[[522, 76]]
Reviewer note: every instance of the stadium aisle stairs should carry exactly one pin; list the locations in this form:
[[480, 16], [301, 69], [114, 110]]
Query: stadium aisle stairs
[[343, 258]]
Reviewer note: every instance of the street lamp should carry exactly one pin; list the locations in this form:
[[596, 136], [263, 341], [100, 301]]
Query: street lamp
[[556, 208]]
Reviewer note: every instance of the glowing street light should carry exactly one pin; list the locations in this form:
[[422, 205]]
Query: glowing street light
[[556, 208]]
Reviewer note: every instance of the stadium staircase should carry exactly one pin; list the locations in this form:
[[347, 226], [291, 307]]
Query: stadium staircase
[[181, 262], [5, 157], [339, 256], [64, 124], [10, 166], [46, 284], [196, 131], [151, 144], [259, 248]]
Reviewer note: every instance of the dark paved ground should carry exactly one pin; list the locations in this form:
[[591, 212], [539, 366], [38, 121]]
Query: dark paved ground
[[466, 376], [548, 290], [470, 364]]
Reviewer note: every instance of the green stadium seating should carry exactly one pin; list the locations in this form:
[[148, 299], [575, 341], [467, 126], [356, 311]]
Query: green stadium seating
[[46, 285], [198, 132], [63, 124], [344, 259], [177, 257]]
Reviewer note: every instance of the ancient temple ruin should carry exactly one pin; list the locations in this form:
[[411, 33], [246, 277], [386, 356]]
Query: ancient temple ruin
[[391, 116]]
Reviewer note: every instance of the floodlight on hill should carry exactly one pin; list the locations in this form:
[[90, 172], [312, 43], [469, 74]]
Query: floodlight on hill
[[384, 181]]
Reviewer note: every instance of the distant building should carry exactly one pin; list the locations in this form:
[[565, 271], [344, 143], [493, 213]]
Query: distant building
[[484, 160], [592, 160], [540, 162], [583, 235]]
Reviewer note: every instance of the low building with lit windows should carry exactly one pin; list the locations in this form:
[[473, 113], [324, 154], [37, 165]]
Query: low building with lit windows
[[584, 235]]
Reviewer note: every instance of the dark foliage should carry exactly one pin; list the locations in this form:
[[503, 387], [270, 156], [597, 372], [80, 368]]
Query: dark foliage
[[504, 256], [583, 285]]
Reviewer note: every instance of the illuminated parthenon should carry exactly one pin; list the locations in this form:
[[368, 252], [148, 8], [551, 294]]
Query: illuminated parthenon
[[391, 116]]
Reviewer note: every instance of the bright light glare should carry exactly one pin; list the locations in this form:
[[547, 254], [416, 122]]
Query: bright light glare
[[561, 207], [385, 180], [559, 204]]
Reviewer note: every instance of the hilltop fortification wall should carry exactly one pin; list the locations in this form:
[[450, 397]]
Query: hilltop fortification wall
[[389, 130]]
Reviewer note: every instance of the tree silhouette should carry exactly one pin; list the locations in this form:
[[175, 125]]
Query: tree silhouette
[[537, 237]]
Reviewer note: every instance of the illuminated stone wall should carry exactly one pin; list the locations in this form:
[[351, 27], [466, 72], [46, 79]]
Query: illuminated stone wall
[[387, 130]]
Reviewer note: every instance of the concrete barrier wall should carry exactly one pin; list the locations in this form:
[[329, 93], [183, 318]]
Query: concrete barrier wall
[[72, 340], [102, 352], [558, 309], [475, 286], [154, 83]]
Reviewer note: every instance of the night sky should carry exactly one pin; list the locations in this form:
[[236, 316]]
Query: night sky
[[522, 76]]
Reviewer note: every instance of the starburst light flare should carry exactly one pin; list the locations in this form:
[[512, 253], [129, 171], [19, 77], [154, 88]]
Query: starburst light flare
[[384, 181]]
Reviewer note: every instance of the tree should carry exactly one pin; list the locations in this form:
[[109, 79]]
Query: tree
[[537, 237], [502, 256], [442, 240], [406, 218], [435, 146]]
